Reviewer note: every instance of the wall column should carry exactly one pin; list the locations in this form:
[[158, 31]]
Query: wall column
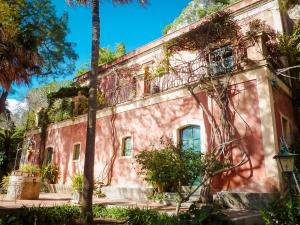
[[268, 128]]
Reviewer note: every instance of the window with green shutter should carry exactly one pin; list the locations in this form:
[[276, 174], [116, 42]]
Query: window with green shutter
[[127, 147], [190, 138]]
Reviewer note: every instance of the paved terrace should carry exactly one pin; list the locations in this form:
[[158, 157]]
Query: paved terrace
[[239, 217]]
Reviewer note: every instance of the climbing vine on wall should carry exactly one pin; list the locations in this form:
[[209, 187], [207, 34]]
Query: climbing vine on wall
[[124, 76], [218, 31]]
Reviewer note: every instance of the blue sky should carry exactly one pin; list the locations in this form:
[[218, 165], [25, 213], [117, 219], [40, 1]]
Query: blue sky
[[131, 24]]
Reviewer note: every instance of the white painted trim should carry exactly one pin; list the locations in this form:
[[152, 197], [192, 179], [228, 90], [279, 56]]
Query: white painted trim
[[288, 138], [253, 9], [278, 26], [190, 122]]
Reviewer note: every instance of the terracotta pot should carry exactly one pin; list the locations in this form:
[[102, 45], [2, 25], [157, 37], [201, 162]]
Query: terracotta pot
[[23, 187]]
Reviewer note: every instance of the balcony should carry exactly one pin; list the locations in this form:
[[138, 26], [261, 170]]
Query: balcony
[[216, 64]]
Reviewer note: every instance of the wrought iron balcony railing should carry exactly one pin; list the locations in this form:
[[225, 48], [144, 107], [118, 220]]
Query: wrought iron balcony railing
[[217, 63]]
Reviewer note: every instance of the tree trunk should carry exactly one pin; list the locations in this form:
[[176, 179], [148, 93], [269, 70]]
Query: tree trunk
[[3, 100], [205, 192], [91, 122]]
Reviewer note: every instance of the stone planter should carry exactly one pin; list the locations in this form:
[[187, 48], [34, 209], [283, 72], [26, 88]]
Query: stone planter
[[23, 187], [77, 197]]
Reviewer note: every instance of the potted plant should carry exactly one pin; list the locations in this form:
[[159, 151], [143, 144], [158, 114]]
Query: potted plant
[[24, 183], [77, 186], [50, 174]]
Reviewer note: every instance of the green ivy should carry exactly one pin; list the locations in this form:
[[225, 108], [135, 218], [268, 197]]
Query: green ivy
[[284, 211]]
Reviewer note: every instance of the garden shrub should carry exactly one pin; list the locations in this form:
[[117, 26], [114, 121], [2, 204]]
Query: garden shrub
[[159, 167], [284, 211], [168, 167], [206, 215], [111, 213], [137, 216], [50, 173], [58, 215], [68, 215]]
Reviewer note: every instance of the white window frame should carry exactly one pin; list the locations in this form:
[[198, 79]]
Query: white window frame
[[288, 139], [122, 156]]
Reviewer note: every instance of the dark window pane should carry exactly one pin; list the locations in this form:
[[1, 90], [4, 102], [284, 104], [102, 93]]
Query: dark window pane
[[221, 60], [49, 155], [76, 152]]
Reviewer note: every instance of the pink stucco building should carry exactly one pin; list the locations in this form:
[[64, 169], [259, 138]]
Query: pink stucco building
[[147, 110]]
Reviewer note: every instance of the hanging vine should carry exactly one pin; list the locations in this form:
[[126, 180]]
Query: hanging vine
[[210, 71], [123, 76]]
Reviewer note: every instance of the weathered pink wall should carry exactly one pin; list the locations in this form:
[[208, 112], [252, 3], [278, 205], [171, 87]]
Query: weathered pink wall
[[283, 106], [148, 124]]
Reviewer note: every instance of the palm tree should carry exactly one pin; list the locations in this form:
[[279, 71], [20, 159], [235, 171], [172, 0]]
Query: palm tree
[[92, 100], [17, 64]]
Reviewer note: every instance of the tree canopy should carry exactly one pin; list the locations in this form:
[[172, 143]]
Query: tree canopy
[[32, 42], [105, 56], [194, 11]]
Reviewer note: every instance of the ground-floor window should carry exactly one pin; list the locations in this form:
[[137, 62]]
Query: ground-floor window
[[127, 146], [190, 138], [48, 155], [76, 152]]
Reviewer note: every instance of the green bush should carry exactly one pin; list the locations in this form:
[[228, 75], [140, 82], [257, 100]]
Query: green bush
[[206, 215], [50, 173], [284, 211], [166, 168], [77, 182], [137, 216], [32, 170], [58, 215], [111, 213], [67, 215]]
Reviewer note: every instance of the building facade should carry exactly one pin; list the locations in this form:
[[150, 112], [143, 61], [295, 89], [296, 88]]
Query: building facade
[[140, 110]]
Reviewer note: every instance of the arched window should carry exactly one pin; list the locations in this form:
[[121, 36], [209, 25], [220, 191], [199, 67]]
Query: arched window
[[190, 138]]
